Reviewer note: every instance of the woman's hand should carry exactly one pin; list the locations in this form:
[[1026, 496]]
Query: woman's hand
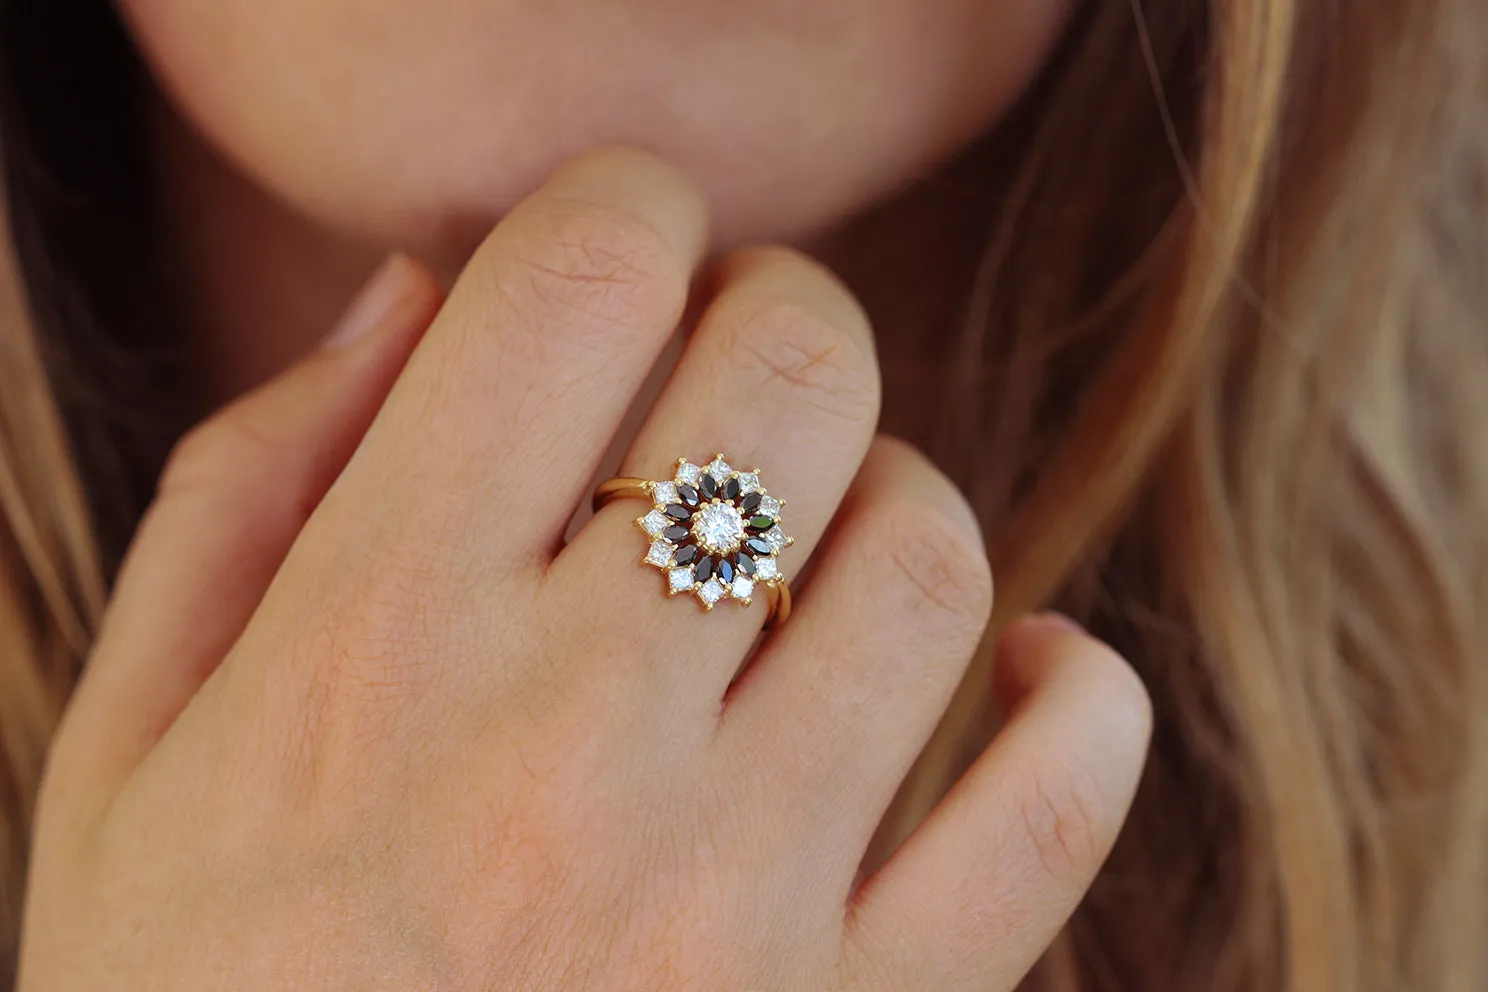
[[358, 718]]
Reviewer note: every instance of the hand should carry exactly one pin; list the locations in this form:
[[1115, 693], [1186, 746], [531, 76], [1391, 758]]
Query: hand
[[358, 719]]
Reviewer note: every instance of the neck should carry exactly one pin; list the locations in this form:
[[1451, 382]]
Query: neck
[[256, 282]]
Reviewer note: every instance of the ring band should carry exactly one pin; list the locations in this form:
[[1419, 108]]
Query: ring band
[[714, 531]]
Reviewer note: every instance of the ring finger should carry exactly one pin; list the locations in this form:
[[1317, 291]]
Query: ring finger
[[780, 374]]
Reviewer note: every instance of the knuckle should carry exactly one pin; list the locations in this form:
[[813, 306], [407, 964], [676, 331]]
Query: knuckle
[[1062, 827], [250, 478], [941, 567], [788, 347], [597, 262], [224, 445]]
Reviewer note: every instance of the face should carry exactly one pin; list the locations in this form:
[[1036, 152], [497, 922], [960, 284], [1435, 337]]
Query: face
[[417, 123]]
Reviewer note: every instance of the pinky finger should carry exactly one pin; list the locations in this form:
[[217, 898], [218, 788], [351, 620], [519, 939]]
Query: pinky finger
[[983, 886]]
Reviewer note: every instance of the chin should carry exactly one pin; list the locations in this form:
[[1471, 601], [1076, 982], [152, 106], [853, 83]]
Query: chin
[[418, 126]]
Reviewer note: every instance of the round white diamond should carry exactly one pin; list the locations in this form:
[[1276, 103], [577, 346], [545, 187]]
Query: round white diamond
[[718, 528], [712, 591], [776, 538], [664, 493], [655, 522], [660, 553], [680, 579], [689, 473], [743, 587], [770, 506], [719, 469], [766, 569], [748, 482]]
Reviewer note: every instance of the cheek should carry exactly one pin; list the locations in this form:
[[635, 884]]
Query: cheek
[[419, 124]]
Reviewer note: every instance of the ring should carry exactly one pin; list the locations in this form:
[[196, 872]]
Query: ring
[[714, 531]]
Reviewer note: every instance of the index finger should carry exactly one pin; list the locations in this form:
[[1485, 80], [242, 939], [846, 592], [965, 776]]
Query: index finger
[[492, 433]]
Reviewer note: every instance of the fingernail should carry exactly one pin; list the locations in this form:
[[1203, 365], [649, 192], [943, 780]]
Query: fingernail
[[1054, 618], [374, 302]]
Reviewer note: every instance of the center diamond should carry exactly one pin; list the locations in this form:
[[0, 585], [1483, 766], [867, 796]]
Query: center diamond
[[718, 528]]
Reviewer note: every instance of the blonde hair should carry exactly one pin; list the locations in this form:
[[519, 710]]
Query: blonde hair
[[1217, 395], [51, 588]]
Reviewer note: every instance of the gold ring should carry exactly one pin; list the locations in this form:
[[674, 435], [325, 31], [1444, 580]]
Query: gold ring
[[714, 531]]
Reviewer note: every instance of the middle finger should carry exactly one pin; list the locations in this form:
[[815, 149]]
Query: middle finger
[[779, 375]]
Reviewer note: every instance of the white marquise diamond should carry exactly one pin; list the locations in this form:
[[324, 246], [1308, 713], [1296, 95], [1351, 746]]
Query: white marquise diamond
[[718, 528], [655, 522], [660, 553], [680, 579], [712, 591], [776, 538], [719, 469], [665, 493], [689, 473], [766, 569], [743, 587]]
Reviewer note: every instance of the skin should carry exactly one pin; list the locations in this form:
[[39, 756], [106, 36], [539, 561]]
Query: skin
[[360, 715], [419, 124]]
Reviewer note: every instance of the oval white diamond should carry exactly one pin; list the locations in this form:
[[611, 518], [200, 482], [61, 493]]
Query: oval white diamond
[[766, 569], [689, 473], [664, 493], [743, 587], [680, 579], [655, 522], [711, 592], [718, 527]]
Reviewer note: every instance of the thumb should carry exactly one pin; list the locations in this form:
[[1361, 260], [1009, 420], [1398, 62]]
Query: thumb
[[234, 496]]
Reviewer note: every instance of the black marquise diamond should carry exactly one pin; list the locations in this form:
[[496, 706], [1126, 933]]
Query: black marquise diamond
[[675, 533], [758, 545], [731, 489], [725, 571], [689, 495], [709, 487], [677, 511], [751, 503], [703, 570], [685, 554], [745, 563], [760, 523]]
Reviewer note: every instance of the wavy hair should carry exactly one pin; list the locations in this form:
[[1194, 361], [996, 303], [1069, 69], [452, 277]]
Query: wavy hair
[[1220, 391]]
